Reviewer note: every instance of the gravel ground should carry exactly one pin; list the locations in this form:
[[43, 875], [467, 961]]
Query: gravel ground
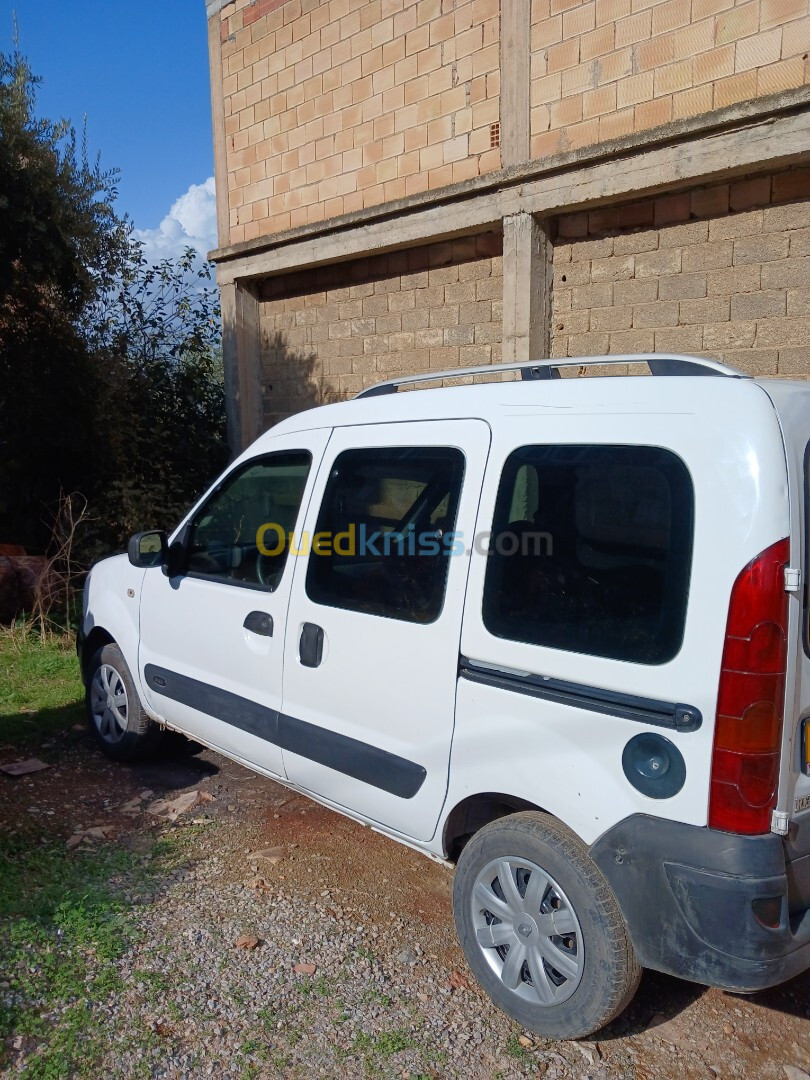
[[363, 1003], [334, 954]]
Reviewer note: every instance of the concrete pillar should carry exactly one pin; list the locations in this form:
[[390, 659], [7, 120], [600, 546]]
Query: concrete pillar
[[241, 354], [218, 122], [527, 253], [515, 78]]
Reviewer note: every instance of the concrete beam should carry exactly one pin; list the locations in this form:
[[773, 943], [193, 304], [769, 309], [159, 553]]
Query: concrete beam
[[527, 254], [515, 80], [241, 354], [218, 128], [621, 170]]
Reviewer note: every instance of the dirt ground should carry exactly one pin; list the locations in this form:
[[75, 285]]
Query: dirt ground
[[672, 1029]]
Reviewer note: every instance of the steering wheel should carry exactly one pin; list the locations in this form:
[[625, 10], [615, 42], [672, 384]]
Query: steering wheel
[[268, 568]]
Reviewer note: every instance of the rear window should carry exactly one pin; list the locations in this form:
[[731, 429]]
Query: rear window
[[591, 551]]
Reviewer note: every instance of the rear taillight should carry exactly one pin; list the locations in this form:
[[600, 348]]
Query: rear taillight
[[750, 702]]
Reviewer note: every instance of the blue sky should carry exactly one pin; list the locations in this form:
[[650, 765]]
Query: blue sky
[[138, 70]]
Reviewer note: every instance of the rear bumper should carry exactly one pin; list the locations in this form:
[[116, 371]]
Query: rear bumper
[[687, 894]]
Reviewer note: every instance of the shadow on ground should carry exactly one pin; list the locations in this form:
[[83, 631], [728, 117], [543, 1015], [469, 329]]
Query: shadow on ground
[[29, 728], [176, 765]]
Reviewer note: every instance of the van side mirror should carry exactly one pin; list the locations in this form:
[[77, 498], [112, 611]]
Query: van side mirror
[[147, 549]]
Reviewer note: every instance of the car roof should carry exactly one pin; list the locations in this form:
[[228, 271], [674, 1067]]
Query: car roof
[[494, 398]]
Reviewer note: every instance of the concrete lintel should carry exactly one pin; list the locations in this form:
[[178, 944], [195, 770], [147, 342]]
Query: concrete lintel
[[241, 352], [612, 171], [767, 145], [526, 289]]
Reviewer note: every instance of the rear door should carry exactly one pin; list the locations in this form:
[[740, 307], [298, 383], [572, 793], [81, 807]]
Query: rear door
[[375, 618]]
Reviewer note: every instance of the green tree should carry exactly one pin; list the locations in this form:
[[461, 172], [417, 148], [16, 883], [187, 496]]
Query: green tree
[[156, 337], [60, 238], [110, 368], [60, 242]]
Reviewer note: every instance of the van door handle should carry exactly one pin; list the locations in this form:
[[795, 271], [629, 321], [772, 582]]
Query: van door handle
[[259, 622], [310, 647]]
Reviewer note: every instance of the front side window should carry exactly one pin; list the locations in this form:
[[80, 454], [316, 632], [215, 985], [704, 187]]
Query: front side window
[[385, 532], [242, 534], [591, 551]]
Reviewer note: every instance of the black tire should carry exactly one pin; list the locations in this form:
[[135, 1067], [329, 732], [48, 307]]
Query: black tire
[[599, 972], [124, 732]]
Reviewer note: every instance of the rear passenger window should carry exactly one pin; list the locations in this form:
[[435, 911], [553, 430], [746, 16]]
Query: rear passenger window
[[385, 532], [591, 551]]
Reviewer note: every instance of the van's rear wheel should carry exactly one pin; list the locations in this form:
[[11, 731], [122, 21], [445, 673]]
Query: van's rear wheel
[[541, 928], [114, 711]]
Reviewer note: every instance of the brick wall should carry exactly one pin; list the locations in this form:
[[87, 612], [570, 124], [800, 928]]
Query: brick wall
[[722, 271], [601, 69], [336, 105], [328, 333]]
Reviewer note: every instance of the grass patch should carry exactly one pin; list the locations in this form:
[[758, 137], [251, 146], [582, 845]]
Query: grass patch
[[516, 1051], [376, 997], [62, 927], [41, 690], [257, 1052], [64, 924], [389, 1043], [321, 986], [376, 1050], [267, 1018]]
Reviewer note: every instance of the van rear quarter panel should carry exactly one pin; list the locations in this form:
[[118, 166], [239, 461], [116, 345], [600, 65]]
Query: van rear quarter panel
[[568, 760]]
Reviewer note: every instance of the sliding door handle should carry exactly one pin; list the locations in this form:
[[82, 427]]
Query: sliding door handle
[[310, 647]]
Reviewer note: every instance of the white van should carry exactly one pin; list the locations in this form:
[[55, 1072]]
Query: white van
[[553, 630]]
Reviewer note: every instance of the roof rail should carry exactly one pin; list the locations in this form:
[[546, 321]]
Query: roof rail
[[549, 369]]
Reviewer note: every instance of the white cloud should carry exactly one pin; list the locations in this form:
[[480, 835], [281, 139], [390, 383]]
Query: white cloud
[[191, 222]]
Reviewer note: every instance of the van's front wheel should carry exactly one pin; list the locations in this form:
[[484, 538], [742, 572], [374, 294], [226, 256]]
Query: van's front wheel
[[541, 928], [114, 711]]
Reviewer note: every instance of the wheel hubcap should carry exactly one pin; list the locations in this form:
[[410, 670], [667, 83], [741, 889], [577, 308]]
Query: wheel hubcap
[[527, 931], [108, 704]]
